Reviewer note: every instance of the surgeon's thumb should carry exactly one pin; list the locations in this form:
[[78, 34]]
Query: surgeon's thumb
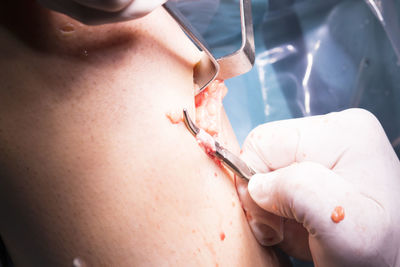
[[308, 192]]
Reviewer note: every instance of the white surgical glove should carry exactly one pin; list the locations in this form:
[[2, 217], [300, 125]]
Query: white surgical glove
[[95, 12], [335, 175]]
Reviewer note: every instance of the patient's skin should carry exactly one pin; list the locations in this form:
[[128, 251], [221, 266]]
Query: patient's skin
[[90, 167]]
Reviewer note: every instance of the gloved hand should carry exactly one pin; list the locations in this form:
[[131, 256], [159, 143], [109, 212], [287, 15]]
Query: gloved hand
[[94, 12], [337, 176]]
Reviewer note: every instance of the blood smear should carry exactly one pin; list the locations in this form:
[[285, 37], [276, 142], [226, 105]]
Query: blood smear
[[174, 116], [206, 142], [222, 236], [337, 214]]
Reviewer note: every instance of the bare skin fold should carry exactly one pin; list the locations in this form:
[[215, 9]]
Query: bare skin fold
[[90, 166]]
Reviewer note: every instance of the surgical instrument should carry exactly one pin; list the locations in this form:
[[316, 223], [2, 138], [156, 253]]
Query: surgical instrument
[[234, 64], [231, 161]]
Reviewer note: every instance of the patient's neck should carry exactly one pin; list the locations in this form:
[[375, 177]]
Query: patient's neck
[[73, 59]]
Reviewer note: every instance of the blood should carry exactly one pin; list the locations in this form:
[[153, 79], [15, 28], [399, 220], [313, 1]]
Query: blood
[[208, 105], [248, 216], [208, 144], [216, 160], [174, 116], [337, 214], [208, 149], [222, 236]]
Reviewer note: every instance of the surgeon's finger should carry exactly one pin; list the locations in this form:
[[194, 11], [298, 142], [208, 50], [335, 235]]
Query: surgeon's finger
[[324, 139], [142, 7], [266, 227], [306, 192], [323, 202]]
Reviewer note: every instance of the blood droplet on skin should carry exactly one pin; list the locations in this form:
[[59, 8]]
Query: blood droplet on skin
[[217, 161], [337, 214], [222, 236], [174, 116], [215, 174]]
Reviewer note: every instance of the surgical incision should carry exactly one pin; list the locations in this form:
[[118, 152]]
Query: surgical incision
[[208, 105], [209, 110]]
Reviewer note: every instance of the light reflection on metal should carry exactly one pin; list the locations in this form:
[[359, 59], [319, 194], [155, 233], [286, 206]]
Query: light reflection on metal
[[242, 60], [235, 64], [207, 68]]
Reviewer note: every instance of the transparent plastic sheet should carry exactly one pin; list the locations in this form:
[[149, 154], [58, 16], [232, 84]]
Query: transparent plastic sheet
[[313, 57], [316, 57]]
